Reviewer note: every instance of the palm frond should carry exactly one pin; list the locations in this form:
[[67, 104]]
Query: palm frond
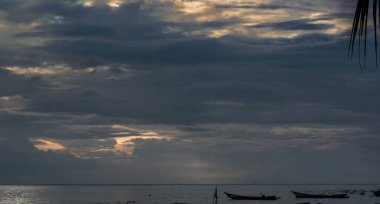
[[374, 12], [359, 28]]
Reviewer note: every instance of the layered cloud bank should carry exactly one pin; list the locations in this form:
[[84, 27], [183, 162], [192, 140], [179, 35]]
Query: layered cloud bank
[[184, 91]]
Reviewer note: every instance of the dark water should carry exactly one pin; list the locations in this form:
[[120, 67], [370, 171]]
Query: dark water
[[196, 194]]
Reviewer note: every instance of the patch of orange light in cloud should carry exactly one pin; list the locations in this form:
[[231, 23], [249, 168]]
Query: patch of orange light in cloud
[[88, 3], [219, 33], [36, 70], [337, 26], [110, 3], [191, 7], [54, 70], [315, 15], [150, 133], [48, 145], [122, 142], [124, 145], [127, 144], [245, 14], [276, 34], [115, 3]]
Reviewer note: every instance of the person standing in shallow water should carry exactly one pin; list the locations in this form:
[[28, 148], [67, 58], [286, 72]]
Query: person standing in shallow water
[[215, 199]]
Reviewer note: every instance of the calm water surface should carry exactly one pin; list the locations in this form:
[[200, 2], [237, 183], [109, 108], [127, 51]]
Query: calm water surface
[[196, 194]]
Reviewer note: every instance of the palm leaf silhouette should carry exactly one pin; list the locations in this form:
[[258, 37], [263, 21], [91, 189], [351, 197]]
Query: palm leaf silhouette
[[359, 28]]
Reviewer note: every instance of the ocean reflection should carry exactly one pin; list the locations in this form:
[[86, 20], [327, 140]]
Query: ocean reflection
[[21, 194]]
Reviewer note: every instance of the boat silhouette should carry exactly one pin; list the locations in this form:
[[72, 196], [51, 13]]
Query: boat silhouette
[[243, 197], [305, 195]]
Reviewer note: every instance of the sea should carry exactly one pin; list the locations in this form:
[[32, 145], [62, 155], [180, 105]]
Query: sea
[[166, 194]]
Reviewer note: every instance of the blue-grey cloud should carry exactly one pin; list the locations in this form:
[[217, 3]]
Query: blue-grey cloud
[[151, 86]]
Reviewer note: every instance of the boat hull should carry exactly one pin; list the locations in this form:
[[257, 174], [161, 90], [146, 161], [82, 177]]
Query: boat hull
[[304, 195], [241, 197]]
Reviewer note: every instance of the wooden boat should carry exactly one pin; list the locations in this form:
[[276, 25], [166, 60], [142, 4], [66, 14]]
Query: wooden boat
[[241, 197], [304, 195], [376, 193]]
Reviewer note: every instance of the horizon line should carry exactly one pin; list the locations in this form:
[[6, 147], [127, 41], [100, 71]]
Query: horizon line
[[168, 184]]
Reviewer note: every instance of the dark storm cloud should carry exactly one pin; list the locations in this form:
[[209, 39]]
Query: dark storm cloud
[[73, 73], [18, 85], [76, 30], [21, 11], [187, 51], [264, 6], [208, 93], [60, 18], [76, 37], [301, 24]]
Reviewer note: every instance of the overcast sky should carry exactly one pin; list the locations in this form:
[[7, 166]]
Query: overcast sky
[[184, 91]]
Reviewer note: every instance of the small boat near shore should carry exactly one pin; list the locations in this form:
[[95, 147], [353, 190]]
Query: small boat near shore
[[376, 193], [242, 197], [304, 195]]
